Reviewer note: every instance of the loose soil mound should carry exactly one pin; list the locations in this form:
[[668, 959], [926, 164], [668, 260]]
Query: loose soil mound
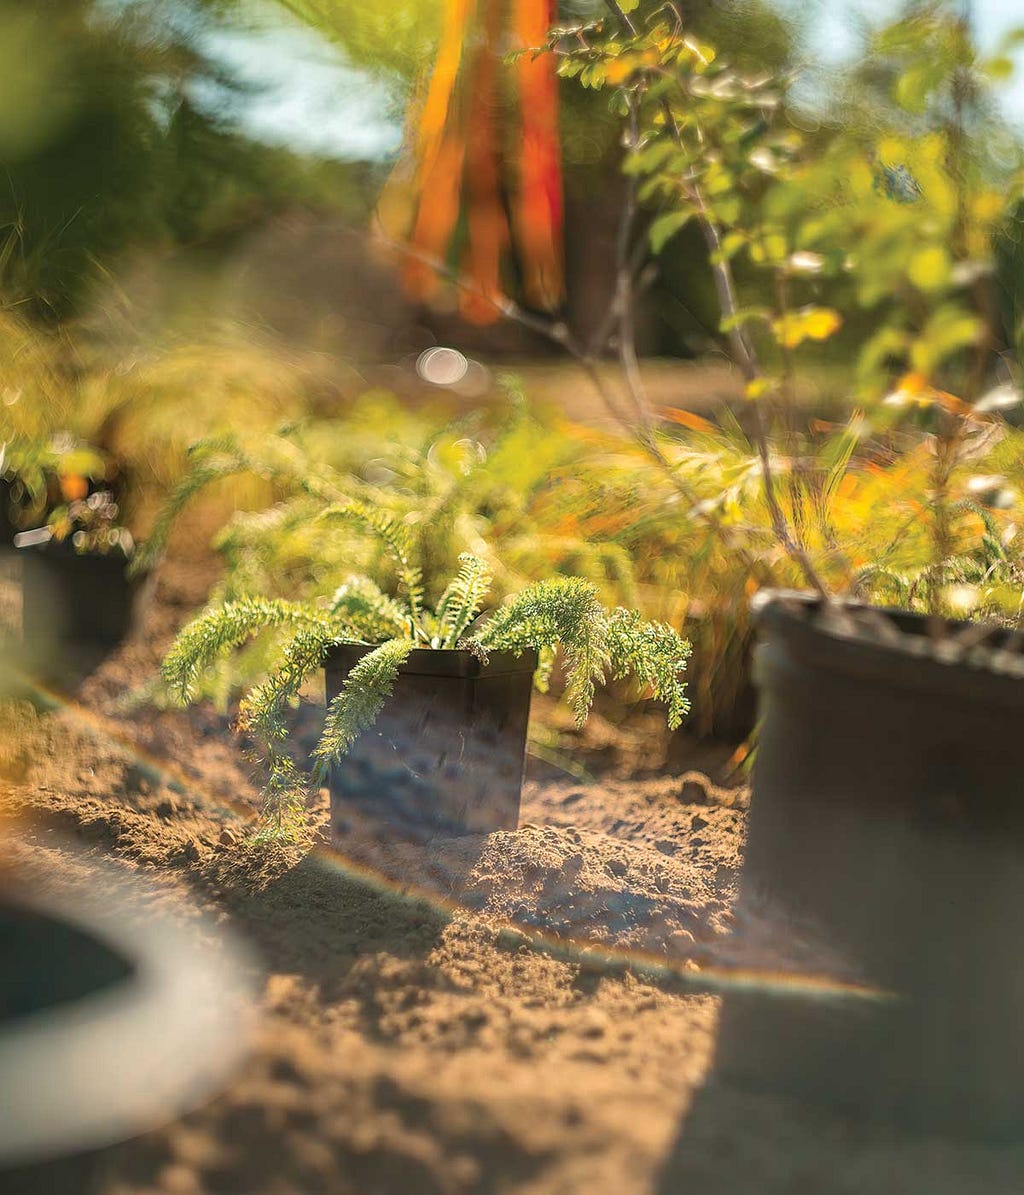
[[522, 1012]]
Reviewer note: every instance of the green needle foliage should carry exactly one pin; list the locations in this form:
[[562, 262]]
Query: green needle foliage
[[397, 542], [461, 601], [355, 709], [220, 629], [563, 610], [562, 613]]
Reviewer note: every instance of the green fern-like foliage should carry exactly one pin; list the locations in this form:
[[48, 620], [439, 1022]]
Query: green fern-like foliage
[[278, 459], [507, 484], [210, 461], [461, 601], [356, 707], [366, 609], [396, 540], [282, 807], [652, 653], [562, 614], [261, 711], [220, 629]]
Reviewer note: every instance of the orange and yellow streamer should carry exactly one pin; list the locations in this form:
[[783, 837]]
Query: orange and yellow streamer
[[480, 191]]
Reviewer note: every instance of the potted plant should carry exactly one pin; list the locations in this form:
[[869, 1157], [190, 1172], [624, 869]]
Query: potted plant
[[38, 474], [76, 594], [427, 707], [885, 807], [59, 510]]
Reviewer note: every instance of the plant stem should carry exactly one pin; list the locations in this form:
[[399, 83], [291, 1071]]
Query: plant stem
[[623, 18], [796, 471], [748, 361], [743, 350]]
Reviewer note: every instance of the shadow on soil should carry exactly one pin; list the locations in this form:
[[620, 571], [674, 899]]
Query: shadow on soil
[[320, 916]]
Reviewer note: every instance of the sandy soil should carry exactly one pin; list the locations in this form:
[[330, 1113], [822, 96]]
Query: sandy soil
[[523, 1012]]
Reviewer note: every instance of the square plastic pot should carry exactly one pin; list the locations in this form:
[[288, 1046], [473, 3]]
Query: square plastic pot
[[446, 755], [74, 604]]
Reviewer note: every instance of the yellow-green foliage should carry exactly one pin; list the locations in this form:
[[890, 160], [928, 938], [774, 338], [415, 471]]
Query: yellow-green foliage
[[143, 407], [534, 495], [889, 213]]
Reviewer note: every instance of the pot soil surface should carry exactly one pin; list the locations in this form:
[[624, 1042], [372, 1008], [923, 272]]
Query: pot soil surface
[[528, 1011]]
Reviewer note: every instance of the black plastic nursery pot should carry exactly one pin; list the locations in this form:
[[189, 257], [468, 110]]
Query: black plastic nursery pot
[[108, 1027], [72, 599], [7, 527], [447, 752], [887, 815]]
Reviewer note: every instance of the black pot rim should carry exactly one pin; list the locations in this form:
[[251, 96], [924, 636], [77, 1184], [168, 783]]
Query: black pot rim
[[438, 661], [991, 674], [67, 551]]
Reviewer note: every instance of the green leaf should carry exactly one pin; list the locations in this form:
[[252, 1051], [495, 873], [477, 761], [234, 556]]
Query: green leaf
[[949, 331], [394, 537], [915, 86], [220, 629], [665, 228], [356, 707], [745, 315], [462, 600], [929, 269], [563, 611], [998, 68], [650, 157]]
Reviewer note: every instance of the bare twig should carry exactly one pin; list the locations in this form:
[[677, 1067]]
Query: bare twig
[[623, 300], [623, 18], [641, 276]]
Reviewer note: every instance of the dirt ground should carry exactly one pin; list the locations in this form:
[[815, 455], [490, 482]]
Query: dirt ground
[[530, 1012]]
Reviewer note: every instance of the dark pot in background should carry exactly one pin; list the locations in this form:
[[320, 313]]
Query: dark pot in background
[[76, 602], [888, 812], [7, 527], [446, 755]]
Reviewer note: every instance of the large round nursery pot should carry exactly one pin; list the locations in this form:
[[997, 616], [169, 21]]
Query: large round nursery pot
[[108, 1027], [72, 599], [887, 817], [447, 752]]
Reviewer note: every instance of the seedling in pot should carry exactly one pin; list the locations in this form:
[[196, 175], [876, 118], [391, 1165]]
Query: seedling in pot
[[75, 592], [87, 525], [402, 637], [41, 476]]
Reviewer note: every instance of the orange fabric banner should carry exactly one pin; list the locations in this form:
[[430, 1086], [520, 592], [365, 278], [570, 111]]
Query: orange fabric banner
[[480, 189]]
